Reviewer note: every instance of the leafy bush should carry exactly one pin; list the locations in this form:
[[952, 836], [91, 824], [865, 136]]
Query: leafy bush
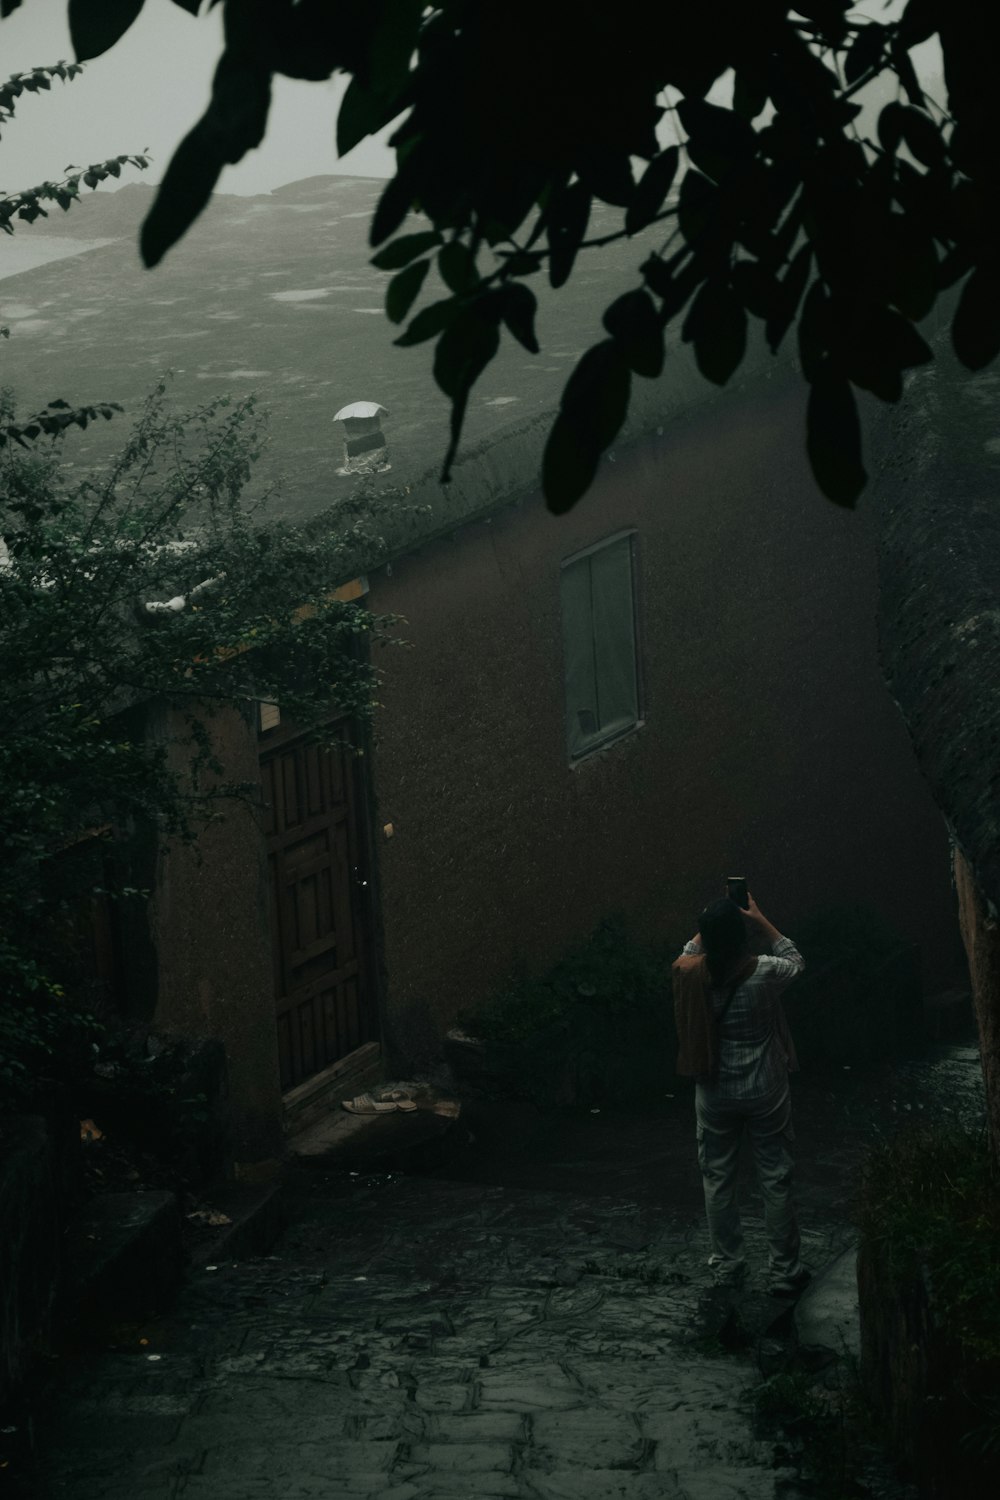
[[611, 996], [838, 934], [253, 614], [44, 1040], [932, 1197]]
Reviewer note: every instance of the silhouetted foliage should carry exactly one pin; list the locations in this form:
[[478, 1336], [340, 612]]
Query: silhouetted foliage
[[514, 117], [154, 580]]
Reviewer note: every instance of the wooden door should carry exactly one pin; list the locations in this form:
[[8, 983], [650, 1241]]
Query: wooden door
[[314, 825]]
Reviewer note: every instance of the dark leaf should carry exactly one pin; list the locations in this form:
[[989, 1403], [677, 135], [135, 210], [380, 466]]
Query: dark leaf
[[607, 174], [717, 326], [907, 74], [394, 204], [730, 134], [429, 322], [568, 465], [187, 185], [523, 263], [651, 190], [394, 39], [404, 289], [757, 289], [898, 338], [95, 25], [191, 6], [815, 331], [881, 344], [913, 273], [919, 21], [865, 51], [749, 93], [829, 17], [833, 440], [517, 308], [953, 266], [401, 251], [568, 216], [890, 127], [658, 276], [635, 326], [361, 113], [922, 136], [597, 392], [241, 98], [975, 329], [458, 267], [674, 287], [464, 350], [696, 206], [719, 141], [594, 405]]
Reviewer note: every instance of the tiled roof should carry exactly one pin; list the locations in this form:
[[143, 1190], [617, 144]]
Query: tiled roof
[[276, 294]]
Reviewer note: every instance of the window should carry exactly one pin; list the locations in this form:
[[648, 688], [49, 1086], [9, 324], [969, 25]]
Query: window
[[598, 611], [268, 716]]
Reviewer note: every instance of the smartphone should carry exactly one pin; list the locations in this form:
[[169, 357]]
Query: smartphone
[[736, 890]]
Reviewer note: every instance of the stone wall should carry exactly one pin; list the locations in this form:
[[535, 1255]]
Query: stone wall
[[981, 935], [209, 924], [29, 1242], [769, 743]]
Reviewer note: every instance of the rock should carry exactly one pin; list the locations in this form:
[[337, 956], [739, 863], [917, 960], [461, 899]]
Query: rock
[[826, 1315]]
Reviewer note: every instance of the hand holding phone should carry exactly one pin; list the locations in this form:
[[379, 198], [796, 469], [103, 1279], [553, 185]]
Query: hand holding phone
[[736, 890]]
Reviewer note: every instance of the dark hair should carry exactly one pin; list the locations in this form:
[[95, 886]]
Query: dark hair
[[723, 936]]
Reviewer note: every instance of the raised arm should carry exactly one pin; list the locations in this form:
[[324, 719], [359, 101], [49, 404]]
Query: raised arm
[[788, 961]]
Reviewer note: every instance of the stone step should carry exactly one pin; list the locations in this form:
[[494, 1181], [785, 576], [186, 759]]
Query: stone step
[[397, 1141], [122, 1258]]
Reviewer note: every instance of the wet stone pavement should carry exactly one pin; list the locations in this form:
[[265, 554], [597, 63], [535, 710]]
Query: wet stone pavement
[[529, 1320]]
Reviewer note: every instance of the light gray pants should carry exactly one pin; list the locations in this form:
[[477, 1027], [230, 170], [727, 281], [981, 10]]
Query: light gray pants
[[721, 1126]]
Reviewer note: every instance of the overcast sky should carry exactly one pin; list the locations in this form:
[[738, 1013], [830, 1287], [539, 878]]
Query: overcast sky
[[150, 88], [147, 92]]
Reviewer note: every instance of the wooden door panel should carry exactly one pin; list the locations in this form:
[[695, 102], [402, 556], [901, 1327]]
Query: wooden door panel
[[314, 839]]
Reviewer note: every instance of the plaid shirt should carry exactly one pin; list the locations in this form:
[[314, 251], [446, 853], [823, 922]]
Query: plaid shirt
[[751, 1060]]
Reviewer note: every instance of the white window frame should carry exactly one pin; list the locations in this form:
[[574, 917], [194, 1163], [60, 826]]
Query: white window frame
[[580, 748]]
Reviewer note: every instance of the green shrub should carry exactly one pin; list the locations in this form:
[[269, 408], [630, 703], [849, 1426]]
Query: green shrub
[[835, 934], [44, 1039], [612, 997], [932, 1197]]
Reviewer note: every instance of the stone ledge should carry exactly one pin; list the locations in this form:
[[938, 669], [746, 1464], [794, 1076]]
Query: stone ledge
[[393, 1141], [122, 1258], [319, 1096], [826, 1315], [258, 1218]]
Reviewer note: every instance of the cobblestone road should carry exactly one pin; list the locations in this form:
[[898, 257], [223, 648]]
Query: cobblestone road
[[423, 1338]]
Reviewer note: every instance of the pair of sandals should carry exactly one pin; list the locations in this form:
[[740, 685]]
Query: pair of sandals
[[384, 1104]]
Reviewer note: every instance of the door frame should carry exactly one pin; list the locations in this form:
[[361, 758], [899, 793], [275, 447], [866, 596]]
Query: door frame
[[366, 904]]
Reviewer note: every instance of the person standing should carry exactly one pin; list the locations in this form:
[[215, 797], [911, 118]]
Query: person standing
[[734, 1041]]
